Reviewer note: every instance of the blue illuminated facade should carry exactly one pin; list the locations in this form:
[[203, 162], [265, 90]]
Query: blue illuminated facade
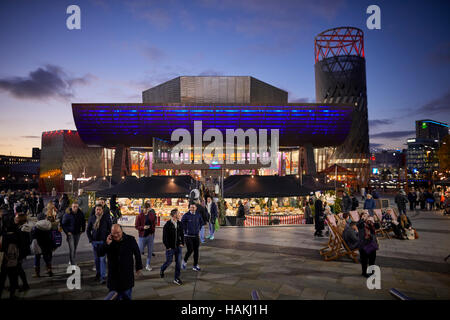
[[135, 125]]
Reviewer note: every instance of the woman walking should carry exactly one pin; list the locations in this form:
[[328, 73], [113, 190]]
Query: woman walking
[[368, 244]]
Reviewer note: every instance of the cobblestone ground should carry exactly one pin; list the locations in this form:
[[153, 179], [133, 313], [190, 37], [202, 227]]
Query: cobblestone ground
[[280, 262]]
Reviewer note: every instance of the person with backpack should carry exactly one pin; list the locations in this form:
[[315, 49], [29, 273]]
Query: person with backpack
[[98, 229], [42, 232], [73, 224], [173, 239], [145, 224]]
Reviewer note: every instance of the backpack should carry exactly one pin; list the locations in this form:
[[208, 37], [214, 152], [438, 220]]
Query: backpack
[[56, 238]]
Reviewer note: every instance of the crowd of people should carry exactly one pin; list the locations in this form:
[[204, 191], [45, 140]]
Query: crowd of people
[[28, 228]]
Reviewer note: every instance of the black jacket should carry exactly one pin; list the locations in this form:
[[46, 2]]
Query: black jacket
[[203, 213], [74, 222], [173, 237], [241, 212], [120, 262], [103, 231], [346, 204]]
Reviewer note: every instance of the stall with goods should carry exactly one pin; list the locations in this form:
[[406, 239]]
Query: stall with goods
[[267, 200], [163, 192]]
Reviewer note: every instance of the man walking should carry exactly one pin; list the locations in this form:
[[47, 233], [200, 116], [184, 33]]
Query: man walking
[[145, 224], [192, 223], [120, 249], [173, 240], [73, 224], [412, 197], [98, 229], [401, 201], [212, 210]]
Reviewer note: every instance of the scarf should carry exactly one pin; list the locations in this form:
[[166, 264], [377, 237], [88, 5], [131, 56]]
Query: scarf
[[97, 221]]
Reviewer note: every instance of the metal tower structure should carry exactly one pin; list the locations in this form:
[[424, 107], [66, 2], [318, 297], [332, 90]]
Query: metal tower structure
[[340, 72]]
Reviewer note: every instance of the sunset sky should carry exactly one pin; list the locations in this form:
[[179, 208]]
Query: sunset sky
[[125, 47]]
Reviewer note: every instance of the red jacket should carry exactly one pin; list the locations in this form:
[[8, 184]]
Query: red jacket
[[140, 223]]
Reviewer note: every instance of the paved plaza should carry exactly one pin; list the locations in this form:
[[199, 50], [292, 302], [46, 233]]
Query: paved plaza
[[281, 262]]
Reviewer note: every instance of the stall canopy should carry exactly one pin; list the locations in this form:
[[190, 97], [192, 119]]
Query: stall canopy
[[337, 169], [244, 186], [151, 187], [97, 184]]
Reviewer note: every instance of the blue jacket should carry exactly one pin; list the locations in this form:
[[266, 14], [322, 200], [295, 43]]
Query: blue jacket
[[369, 204], [103, 231], [192, 223], [74, 223]]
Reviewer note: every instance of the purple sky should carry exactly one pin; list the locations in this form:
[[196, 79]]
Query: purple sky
[[125, 47]]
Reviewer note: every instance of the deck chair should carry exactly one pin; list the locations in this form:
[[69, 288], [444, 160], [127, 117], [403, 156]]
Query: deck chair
[[332, 245], [378, 216], [354, 215], [340, 248]]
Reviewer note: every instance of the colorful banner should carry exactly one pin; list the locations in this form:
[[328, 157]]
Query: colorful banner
[[252, 221]]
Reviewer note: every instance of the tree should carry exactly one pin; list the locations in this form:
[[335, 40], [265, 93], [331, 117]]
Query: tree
[[444, 154]]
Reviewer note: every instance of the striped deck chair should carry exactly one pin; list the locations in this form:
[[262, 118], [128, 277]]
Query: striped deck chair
[[341, 248], [378, 216], [332, 245], [354, 215]]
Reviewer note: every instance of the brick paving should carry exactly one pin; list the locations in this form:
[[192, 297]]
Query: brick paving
[[281, 262]]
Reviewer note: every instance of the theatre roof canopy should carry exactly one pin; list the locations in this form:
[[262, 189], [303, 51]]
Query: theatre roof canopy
[[244, 186], [151, 187], [135, 125], [97, 184]]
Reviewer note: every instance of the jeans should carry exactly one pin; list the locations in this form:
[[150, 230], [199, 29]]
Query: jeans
[[212, 229], [202, 234], [121, 295], [401, 210], [364, 258], [192, 244], [100, 262], [148, 241], [73, 240], [178, 253]]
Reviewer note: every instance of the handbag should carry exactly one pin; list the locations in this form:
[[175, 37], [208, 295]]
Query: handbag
[[35, 249], [216, 225], [410, 234]]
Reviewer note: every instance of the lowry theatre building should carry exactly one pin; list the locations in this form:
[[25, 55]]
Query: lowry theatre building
[[116, 140]]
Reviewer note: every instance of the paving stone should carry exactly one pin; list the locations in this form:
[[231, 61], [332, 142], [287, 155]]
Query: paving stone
[[313, 294]]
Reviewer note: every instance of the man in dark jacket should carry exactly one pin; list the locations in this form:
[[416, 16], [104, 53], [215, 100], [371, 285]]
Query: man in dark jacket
[[213, 213], [355, 203], [39, 204], [98, 229], [412, 198], [401, 201], [346, 203], [73, 225], [192, 222], [240, 216], [120, 249], [173, 239], [318, 218]]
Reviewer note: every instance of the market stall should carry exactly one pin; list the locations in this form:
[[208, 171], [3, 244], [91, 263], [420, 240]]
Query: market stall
[[163, 192], [268, 200]]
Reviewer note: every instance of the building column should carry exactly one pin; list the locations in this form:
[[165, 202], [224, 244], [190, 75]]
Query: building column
[[310, 163], [122, 163]]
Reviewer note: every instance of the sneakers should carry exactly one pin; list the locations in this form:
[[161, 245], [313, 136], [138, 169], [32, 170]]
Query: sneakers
[[178, 282], [196, 268], [148, 268], [211, 238], [94, 269], [183, 265], [161, 274], [102, 281]]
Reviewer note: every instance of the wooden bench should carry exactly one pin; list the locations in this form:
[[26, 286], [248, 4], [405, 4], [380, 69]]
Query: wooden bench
[[378, 216]]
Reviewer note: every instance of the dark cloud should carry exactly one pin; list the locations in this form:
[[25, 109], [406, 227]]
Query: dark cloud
[[380, 122], [376, 145], [439, 105], [393, 134], [31, 137], [45, 82]]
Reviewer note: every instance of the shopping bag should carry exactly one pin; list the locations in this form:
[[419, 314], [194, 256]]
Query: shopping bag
[[35, 249], [216, 225]]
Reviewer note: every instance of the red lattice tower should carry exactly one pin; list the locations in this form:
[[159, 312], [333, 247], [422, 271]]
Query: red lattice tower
[[338, 42]]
